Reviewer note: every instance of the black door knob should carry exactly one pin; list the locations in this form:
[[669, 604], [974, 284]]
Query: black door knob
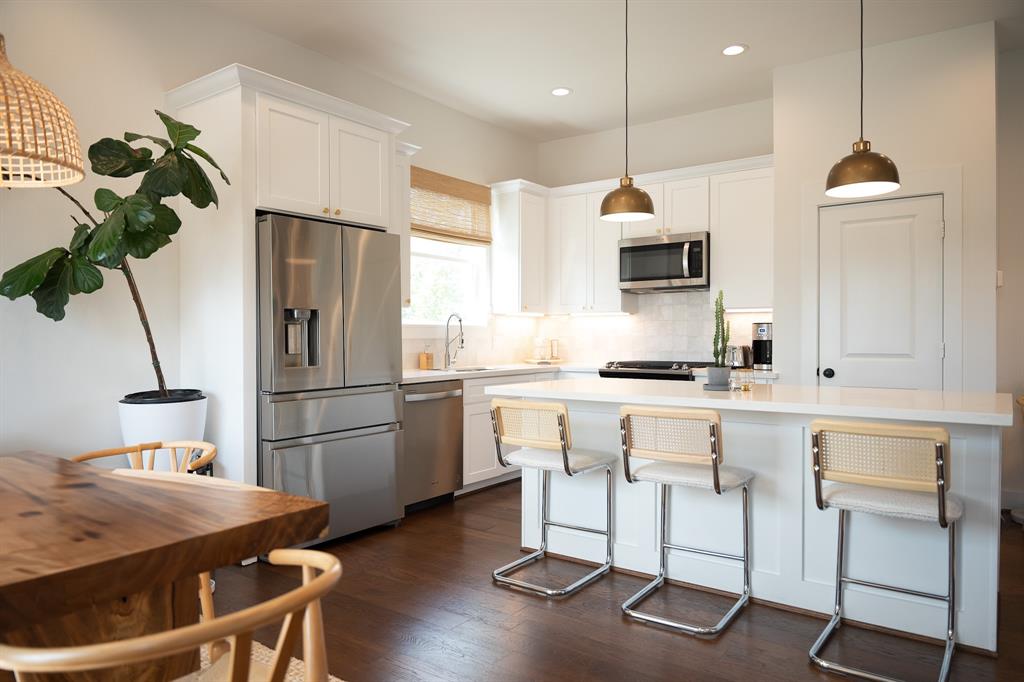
[[829, 372]]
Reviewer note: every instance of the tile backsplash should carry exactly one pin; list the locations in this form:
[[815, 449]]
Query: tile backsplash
[[667, 326]]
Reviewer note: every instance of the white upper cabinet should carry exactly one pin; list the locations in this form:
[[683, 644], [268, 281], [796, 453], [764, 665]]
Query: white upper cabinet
[[583, 258], [686, 206], [519, 232], [360, 182], [570, 238], [603, 276], [318, 164], [742, 207], [654, 226], [293, 155]]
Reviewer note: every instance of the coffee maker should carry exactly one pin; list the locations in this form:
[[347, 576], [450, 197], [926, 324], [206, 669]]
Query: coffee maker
[[762, 345]]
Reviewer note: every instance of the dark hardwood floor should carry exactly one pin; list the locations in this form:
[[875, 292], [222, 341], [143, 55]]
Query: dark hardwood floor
[[417, 603]]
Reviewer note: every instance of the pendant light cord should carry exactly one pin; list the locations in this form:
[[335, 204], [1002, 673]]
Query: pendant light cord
[[627, 87], [862, 69]]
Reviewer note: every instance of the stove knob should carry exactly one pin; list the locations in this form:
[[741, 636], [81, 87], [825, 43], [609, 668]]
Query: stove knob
[[676, 365]]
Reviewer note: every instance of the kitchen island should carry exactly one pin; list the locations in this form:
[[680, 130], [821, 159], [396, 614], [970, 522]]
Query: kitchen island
[[792, 542]]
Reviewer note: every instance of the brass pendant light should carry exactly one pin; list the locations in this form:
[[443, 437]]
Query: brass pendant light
[[863, 173], [627, 203], [38, 139]]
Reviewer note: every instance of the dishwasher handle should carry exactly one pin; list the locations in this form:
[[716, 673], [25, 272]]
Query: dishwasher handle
[[440, 395]]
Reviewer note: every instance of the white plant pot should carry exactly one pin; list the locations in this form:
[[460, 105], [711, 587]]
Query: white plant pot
[[146, 422]]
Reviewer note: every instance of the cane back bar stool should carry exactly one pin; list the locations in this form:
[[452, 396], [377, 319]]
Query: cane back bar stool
[[889, 470], [686, 449], [542, 429]]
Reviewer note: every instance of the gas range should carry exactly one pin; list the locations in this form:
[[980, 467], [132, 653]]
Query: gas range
[[677, 370]]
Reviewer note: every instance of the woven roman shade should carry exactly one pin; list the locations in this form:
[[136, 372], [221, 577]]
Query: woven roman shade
[[449, 209]]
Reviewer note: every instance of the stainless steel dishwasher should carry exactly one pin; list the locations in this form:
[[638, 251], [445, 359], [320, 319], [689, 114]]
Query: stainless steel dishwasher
[[432, 459]]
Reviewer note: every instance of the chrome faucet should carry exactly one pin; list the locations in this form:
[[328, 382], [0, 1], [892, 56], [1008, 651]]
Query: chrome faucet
[[449, 359]]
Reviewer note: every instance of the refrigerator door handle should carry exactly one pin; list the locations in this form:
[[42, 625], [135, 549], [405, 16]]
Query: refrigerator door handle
[[335, 436]]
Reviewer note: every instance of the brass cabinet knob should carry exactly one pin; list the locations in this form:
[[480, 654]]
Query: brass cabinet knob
[[337, 211], [326, 211], [526, 307]]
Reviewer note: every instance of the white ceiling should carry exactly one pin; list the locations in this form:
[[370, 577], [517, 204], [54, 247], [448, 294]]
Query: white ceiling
[[499, 59]]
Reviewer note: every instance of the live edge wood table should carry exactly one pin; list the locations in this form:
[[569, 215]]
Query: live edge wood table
[[88, 556]]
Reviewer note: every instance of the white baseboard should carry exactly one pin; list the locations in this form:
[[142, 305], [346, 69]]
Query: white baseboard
[[479, 485]]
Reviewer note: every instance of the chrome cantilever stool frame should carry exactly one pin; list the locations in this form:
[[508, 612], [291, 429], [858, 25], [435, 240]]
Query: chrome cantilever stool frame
[[686, 447], [543, 431], [911, 465]]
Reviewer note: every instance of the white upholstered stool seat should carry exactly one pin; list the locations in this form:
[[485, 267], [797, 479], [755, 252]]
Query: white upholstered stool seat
[[903, 504], [579, 460], [693, 475]]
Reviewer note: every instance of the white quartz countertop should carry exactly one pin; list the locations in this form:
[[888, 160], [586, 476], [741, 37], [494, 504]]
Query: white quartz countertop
[[419, 376], [986, 409]]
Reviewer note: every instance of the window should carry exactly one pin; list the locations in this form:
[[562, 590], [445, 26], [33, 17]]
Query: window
[[446, 277], [449, 250]]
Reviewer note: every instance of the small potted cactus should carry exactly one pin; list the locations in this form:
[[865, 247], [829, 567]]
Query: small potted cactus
[[719, 374]]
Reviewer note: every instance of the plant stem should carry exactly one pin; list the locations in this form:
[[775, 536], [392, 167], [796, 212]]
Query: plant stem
[[136, 298]]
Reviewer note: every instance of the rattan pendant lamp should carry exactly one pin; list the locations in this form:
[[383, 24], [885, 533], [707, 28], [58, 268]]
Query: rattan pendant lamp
[[863, 173], [38, 139], [627, 203]]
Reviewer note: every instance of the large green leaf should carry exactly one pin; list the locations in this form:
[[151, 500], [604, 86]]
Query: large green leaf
[[85, 277], [25, 278], [79, 239], [179, 133], [167, 221], [106, 237], [138, 212], [117, 159], [197, 187], [145, 244], [166, 177], [133, 137], [114, 257], [106, 200], [53, 294], [209, 159]]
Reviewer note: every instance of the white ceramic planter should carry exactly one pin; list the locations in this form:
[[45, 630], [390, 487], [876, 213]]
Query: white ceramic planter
[[167, 421]]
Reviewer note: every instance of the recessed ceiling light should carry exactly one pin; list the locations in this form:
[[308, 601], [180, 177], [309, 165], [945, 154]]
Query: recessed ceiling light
[[561, 92], [734, 50]]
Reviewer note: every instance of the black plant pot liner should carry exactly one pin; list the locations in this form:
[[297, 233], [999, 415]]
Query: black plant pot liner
[[174, 395]]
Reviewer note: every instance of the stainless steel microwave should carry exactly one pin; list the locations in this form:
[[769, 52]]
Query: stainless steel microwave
[[665, 263]]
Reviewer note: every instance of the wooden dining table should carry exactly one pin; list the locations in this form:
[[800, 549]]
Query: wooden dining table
[[89, 555]]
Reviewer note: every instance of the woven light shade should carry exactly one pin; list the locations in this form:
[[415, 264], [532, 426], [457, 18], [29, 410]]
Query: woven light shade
[[38, 139]]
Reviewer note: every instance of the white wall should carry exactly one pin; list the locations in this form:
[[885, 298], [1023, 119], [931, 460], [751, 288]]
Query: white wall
[[1010, 297], [59, 382], [930, 103], [734, 132]]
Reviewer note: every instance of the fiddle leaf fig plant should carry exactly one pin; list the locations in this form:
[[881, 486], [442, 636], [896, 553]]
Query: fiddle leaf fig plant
[[136, 224]]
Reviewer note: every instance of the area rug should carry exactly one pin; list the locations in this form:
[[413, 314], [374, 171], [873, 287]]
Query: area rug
[[262, 656]]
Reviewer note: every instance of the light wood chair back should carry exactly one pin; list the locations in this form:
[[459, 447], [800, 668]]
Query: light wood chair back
[[299, 611], [881, 455], [531, 424], [672, 435], [139, 458]]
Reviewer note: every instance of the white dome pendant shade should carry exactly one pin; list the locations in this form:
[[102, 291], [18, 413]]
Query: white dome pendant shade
[[863, 173], [38, 140], [627, 203]]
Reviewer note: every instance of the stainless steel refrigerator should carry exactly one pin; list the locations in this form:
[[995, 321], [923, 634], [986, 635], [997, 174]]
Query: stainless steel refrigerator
[[330, 346]]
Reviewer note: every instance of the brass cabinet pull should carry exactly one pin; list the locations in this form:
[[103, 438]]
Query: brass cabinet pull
[[337, 211], [327, 210]]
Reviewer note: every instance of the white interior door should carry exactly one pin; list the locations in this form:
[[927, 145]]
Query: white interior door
[[880, 294]]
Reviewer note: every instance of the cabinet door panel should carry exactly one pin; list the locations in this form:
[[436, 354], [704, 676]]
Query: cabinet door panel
[[360, 173], [479, 460], [573, 252], [652, 227], [532, 216], [742, 206], [292, 157], [686, 205], [604, 279]]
